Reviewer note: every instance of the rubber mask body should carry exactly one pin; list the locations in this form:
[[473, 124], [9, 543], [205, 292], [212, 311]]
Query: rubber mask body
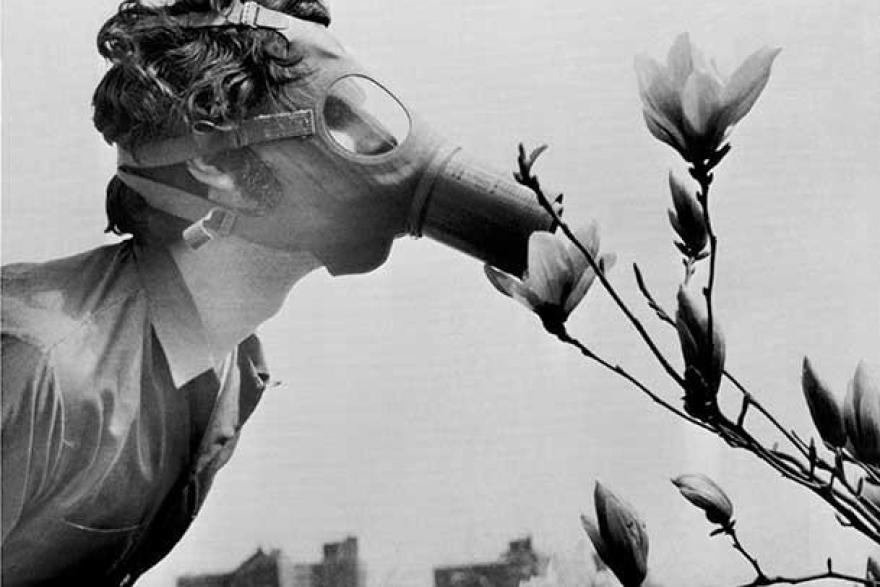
[[368, 171]]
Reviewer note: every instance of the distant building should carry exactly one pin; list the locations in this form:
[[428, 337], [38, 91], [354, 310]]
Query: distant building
[[261, 569], [519, 563], [340, 568]]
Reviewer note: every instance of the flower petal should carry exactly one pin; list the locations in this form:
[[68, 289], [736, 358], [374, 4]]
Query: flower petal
[[664, 130], [867, 406], [703, 65], [548, 267], [824, 407], [692, 323], [673, 220], [525, 296], [746, 84], [607, 262], [592, 530], [656, 89], [588, 236], [648, 72], [687, 220], [679, 62], [579, 290], [511, 287], [700, 102], [500, 280]]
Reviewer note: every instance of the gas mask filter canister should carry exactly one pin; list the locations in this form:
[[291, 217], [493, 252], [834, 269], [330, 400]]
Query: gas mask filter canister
[[371, 168]]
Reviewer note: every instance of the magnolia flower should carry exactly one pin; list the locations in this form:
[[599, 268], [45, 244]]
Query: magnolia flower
[[690, 106], [706, 495], [687, 220], [861, 416], [824, 408], [703, 360], [557, 276], [619, 537]]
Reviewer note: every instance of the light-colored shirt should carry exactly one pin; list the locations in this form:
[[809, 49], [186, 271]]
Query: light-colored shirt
[[114, 418]]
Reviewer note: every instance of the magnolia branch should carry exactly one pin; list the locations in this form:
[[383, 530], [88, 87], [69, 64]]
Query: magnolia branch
[[763, 579], [832, 486], [853, 510], [563, 336], [704, 178], [525, 177], [861, 516]]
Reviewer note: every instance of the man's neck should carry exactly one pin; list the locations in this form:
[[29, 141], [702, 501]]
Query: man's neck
[[237, 285]]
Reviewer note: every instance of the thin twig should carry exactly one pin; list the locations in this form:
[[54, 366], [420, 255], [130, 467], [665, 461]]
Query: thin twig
[[530, 181], [761, 577], [780, 580], [776, 459], [847, 504], [563, 336], [662, 314], [850, 507], [748, 398], [766, 413], [737, 545]]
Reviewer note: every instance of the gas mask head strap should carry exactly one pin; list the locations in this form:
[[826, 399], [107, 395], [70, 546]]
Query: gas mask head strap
[[208, 139], [249, 14]]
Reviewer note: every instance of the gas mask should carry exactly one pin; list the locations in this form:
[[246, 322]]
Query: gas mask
[[370, 167]]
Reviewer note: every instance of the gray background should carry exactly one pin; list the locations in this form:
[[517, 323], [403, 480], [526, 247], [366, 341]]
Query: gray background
[[431, 417]]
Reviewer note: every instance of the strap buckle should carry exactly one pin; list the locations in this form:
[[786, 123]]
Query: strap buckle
[[244, 14], [216, 223]]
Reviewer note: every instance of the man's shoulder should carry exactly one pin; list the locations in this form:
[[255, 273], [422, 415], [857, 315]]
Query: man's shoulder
[[44, 303]]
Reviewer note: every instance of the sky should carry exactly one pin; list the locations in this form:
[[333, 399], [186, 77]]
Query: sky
[[432, 418]]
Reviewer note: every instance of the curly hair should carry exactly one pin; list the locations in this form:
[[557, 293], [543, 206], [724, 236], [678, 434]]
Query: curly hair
[[167, 80]]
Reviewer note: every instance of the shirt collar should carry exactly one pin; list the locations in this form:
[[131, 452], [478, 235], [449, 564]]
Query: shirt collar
[[173, 314]]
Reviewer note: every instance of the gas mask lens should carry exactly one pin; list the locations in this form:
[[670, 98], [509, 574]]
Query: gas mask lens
[[363, 118]]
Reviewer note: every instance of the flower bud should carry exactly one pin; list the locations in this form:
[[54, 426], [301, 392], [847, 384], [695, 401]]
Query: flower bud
[[687, 219], [706, 495], [703, 362], [619, 537], [824, 408], [591, 527], [872, 570], [861, 415]]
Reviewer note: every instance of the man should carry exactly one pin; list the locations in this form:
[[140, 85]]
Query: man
[[129, 370], [248, 157]]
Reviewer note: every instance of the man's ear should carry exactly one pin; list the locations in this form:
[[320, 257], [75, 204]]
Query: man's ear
[[222, 188]]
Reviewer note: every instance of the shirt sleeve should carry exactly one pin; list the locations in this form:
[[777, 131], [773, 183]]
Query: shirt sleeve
[[31, 429]]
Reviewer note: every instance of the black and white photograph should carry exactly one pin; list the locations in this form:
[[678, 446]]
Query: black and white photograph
[[361, 293]]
